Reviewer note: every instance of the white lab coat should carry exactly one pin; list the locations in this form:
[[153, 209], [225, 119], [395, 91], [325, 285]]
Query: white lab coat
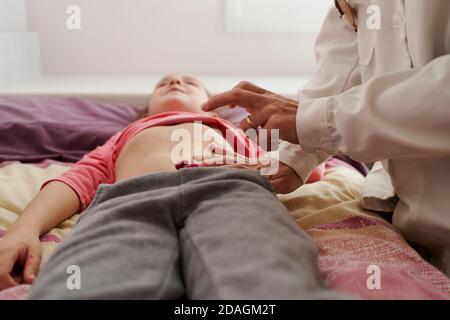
[[384, 95]]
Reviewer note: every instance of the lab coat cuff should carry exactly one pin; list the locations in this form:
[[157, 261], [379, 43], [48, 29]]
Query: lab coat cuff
[[315, 120], [299, 160]]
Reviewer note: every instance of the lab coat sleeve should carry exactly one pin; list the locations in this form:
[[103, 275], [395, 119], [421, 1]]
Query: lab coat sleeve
[[400, 115], [302, 162], [336, 53]]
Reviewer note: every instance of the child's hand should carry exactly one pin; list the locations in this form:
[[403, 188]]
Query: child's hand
[[20, 257]]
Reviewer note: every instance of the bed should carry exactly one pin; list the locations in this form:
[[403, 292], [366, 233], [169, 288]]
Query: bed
[[354, 245]]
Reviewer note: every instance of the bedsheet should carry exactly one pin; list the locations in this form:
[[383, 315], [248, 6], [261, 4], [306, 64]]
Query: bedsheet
[[18, 184], [356, 246], [350, 240]]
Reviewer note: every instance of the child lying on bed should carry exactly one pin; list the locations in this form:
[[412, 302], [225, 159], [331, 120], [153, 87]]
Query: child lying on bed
[[143, 218]]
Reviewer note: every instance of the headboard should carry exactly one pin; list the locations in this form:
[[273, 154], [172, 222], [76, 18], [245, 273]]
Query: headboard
[[136, 90]]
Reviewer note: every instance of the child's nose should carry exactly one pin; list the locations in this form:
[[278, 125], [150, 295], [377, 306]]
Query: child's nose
[[175, 81]]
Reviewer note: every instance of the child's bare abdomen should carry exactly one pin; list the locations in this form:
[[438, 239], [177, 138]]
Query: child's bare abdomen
[[158, 149]]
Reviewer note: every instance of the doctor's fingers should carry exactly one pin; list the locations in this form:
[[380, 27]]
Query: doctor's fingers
[[221, 150], [263, 159], [214, 150], [229, 160], [249, 100], [277, 127], [270, 121], [281, 123], [256, 120], [246, 85]]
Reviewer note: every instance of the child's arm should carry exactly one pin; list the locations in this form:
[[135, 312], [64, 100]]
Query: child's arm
[[20, 249], [55, 203], [58, 200]]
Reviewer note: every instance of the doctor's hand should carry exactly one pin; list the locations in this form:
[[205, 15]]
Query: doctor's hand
[[284, 180], [268, 110]]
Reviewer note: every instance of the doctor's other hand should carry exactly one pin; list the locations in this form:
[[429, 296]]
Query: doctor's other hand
[[268, 110], [284, 179], [20, 257]]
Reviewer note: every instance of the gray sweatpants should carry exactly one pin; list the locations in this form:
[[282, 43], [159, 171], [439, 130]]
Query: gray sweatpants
[[197, 233]]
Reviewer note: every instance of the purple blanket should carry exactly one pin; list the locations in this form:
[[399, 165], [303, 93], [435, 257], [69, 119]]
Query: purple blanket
[[64, 129]]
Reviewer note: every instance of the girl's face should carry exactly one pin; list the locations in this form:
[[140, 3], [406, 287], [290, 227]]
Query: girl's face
[[178, 92]]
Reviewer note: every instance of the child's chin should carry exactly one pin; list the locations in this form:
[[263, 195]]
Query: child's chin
[[180, 107]]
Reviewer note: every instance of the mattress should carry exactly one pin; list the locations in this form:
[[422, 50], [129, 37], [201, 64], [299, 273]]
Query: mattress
[[356, 247]]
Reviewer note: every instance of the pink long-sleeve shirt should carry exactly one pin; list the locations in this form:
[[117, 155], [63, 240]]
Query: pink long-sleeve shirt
[[98, 166]]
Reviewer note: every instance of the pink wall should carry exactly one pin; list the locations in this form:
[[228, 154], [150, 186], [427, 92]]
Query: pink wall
[[159, 36]]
